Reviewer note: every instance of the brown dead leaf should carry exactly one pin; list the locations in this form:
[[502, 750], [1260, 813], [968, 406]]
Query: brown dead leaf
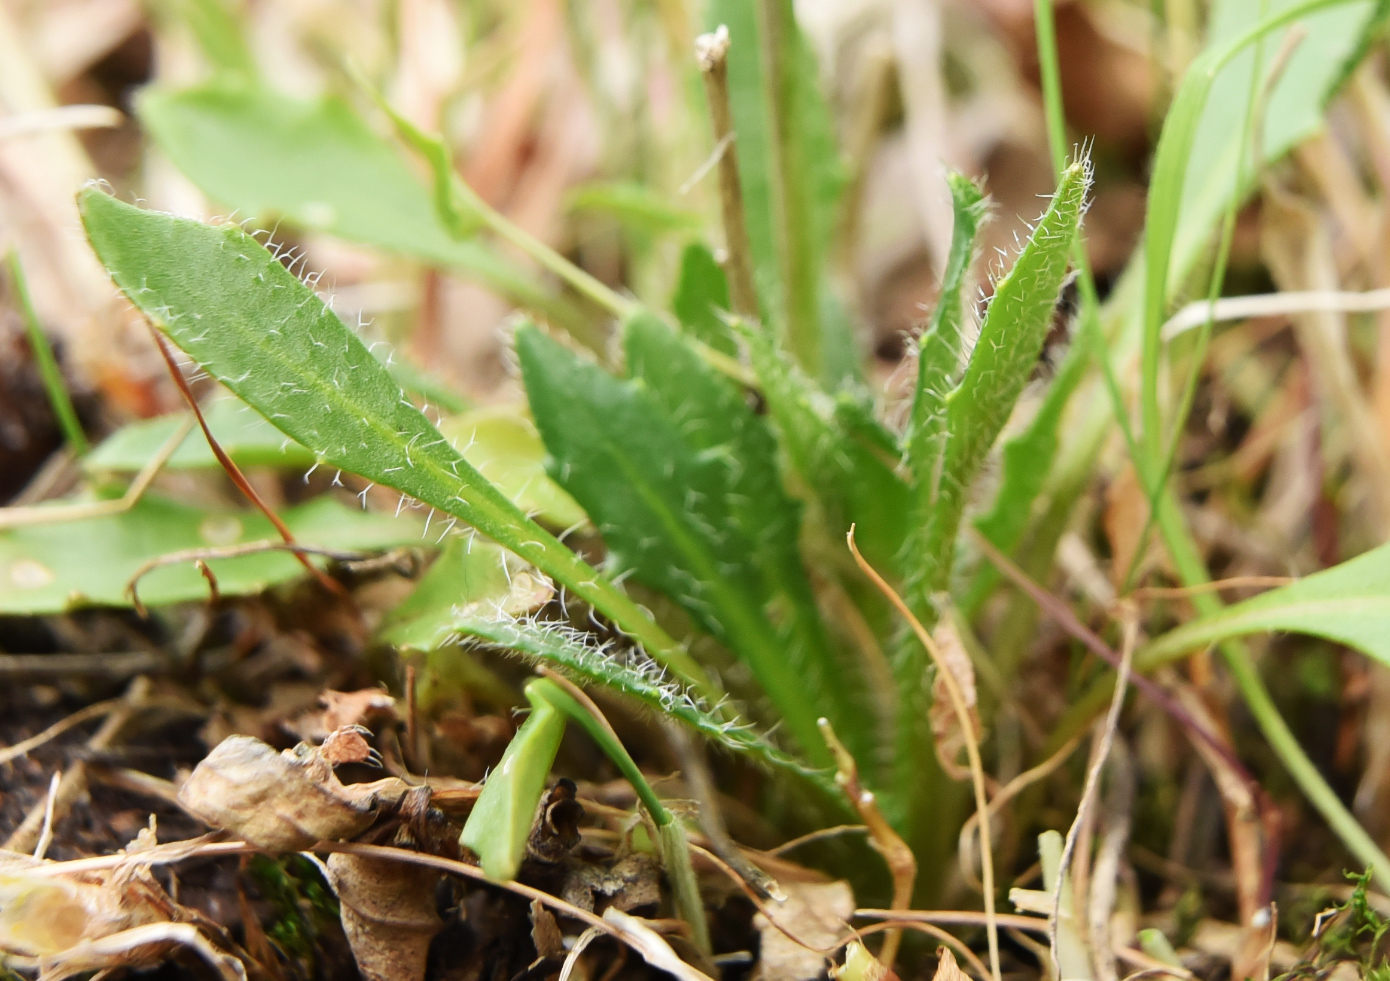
[[950, 740], [545, 933], [817, 913], [357, 708], [946, 967], [347, 745], [281, 802], [632, 884], [388, 914]]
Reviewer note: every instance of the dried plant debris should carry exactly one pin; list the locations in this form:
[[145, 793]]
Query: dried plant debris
[[281, 802]]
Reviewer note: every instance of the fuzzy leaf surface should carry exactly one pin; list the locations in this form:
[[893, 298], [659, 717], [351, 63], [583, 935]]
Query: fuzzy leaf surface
[[227, 302], [665, 511], [716, 421]]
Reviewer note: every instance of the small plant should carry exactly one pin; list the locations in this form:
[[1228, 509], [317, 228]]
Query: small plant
[[667, 516]]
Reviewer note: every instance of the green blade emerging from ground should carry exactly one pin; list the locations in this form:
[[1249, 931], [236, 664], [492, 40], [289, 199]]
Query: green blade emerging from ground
[[1349, 603], [227, 302]]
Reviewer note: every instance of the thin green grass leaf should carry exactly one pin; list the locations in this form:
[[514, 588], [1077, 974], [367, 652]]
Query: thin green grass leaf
[[789, 166], [1349, 604], [234, 309]]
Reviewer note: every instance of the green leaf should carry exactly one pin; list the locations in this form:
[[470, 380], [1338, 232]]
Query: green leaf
[[1011, 338], [630, 673], [939, 350], [262, 333], [500, 824], [633, 204], [789, 166], [1349, 604], [702, 293], [716, 422], [664, 510], [471, 580], [854, 481], [1200, 139], [57, 567], [319, 166], [502, 443], [220, 35], [248, 439]]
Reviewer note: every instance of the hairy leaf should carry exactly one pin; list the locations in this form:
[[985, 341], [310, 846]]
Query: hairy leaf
[[1011, 337], [702, 293], [716, 421], [57, 567], [853, 479], [240, 430], [234, 309], [665, 512], [502, 443], [939, 350]]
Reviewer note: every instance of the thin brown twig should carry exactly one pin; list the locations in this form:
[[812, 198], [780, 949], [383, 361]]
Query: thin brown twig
[[1092, 786], [234, 472], [1060, 613], [1007, 793], [902, 864], [711, 53], [972, 746], [201, 556], [29, 515], [93, 711], [1215, 586], [822, 834]]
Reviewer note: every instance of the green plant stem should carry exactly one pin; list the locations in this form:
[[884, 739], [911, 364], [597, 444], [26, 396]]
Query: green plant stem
[[1156, 482], [799, 299], [49, 371], [671, 839]]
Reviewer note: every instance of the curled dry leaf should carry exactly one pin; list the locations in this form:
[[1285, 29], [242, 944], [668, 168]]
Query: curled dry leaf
[[356, 708], [388, 908], [946, 967], [950, 741], [556, 830], [121, 918], [388, 913], [348, 745], [280, 802]]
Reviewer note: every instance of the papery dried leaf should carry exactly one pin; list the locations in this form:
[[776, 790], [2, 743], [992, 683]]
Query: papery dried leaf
[[388, 913], [356, 708], [41, 916], [946, 967], [545, 932], [281, 802], [1126, 512], [138, 946], [347, 745], [945, 726], [817, 913]]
